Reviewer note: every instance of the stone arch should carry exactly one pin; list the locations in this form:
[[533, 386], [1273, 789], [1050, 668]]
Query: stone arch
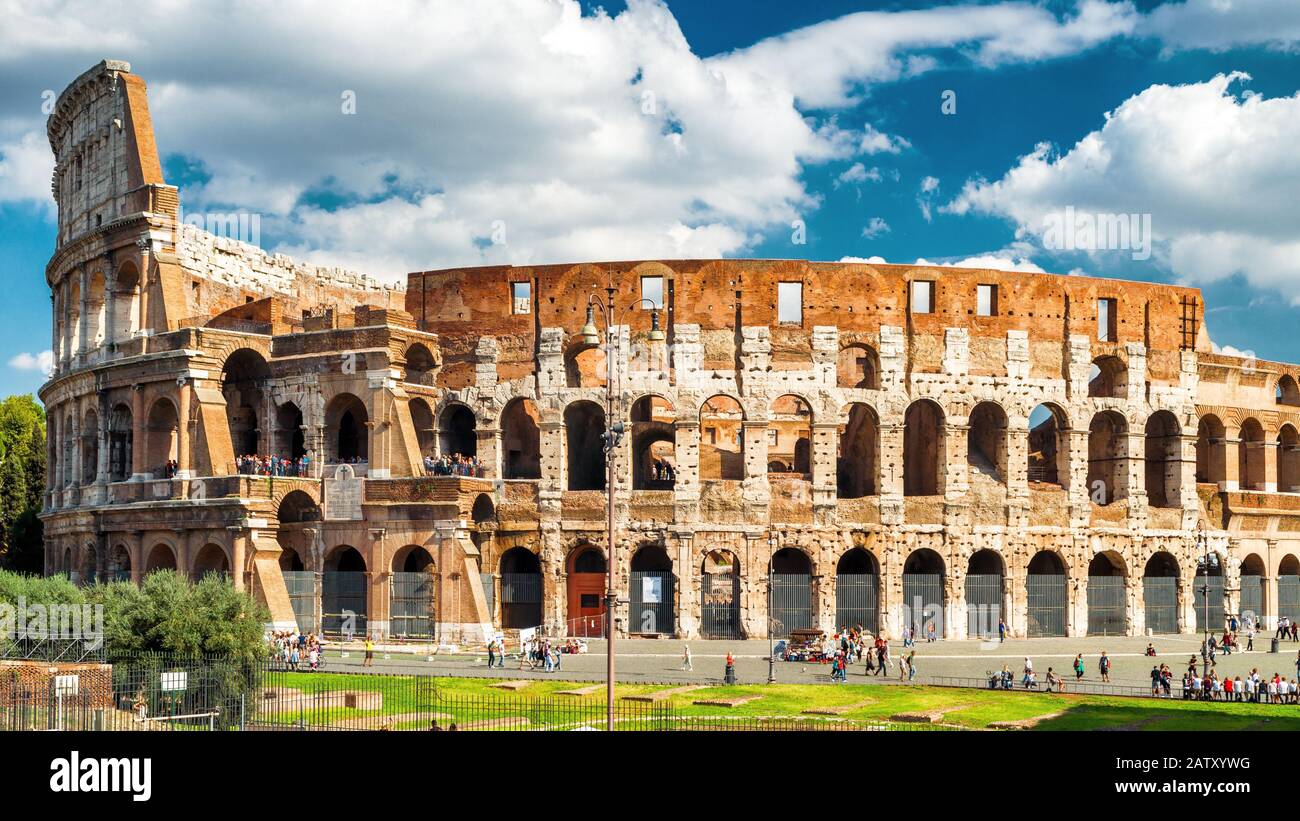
[[857, 590], [420, 364], [652, 600], [986, 441], [654, 443], [162, 556], [521, 589], [1288, 459], [1049, 445], [426, 434], [1108, 457], [291, 560], [162, 436], [121, 432], [585, 590], [1160, 592], [1211, 450], [584, 426], [457, 431], [1253, 588], [298, 506], [1250, 455], [347, 437], [584, 365], [1107, 594], [923, 449], [858, 366], [1164, 460], [1288, 587], [1047, 594], [345, 591], [857, 472], [89, 446], [985, 593], [119, 563], [1106, 378], [243, 379], [484, 510], [521, 439], [96, 310], [291, 439], [924, 592], [1286, 392], [413, 558], [75, 341], [88, 564], [126, 302], [722, 438], [791, 572], [211, 558], [720, 594], [791, 416]]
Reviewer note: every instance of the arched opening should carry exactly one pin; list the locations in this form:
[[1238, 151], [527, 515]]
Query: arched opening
[[161, 557], [651, 594], [68, 442], [789, 437], [654, 448], [985, 591], [1288, 588], [1049, 447], [986, 442], [90, 447], [457, 432], [344, 592], [420, 365], [1107, 595], [722, 439], [120, 433], [211, 560], [126, 302], [119, 564], [484, 510], [1045, 589], [297, 506], [1211, 450], [1250, 455], [1106, 378], [584, 366], [584, 424], [1288, 460], [857, 591], [855, 469], [1107, 458], [585, 584], [87, 567], [858, 366], [162, 438], [289, 433], [923, 593], [720, 596], [243, 378], [76, 342], [1160, 593], [1208, 594], [792, 593], [300, 583], [291, 561], [346, 431], [1164, 460], [923, 449], [1287, 392], [426, 435], [1252, 589], [410, 593], [95, 311], [521, 440], [521, 589]]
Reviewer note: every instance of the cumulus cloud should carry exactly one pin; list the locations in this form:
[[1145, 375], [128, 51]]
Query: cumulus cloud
[[857, 174], [42, 362], [875, 227], [1219, 25], [1216, 172], [998, 261]]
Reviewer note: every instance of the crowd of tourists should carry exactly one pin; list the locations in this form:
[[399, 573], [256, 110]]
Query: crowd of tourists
[[456, 464], [291, 650], [253, 465]]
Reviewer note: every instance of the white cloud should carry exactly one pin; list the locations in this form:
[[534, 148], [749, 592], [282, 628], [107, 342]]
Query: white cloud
[[1223, 24], [26, 166], [877, 142], [42, 362], [925, 199], [857, 173], [875, 227], [1228, 350], [873, 260], [998, 261], [1216, 172]]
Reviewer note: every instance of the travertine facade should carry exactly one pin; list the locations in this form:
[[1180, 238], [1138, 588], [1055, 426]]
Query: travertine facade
[[853, 443]]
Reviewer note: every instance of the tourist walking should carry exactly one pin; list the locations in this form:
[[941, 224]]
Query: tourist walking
[[686, 658], [1002, 631], [1103, 665], [370, 653], [911, 665], [1078, 667]]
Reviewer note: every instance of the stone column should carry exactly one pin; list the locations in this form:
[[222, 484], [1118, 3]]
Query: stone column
[[489, 451], [688, 589], [83, 323], [825, 450], [1232, 444], [183, 468], [891, 474], [1270, 466], [138, 437]]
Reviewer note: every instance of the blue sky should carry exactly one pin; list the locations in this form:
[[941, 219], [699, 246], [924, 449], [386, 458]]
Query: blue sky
[[613, 131]]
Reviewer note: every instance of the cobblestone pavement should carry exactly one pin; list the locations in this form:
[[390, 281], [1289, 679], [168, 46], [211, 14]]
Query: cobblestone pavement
[[650, 660]]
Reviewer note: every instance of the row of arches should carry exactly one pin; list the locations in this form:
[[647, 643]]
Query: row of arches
[[104, 311]]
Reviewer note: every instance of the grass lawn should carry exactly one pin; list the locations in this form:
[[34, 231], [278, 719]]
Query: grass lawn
[[408, 700]]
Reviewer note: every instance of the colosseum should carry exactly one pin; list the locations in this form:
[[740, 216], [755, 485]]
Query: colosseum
[[804, 444]]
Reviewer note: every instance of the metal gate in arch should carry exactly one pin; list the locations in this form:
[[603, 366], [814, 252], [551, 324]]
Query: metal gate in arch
[[923, 603], [791, 602]]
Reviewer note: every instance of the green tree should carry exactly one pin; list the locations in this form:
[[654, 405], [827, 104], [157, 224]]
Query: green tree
[[22, 482]]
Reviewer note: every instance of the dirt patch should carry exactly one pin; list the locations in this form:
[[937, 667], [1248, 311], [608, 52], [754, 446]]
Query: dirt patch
[[726, 702], [661, 695]]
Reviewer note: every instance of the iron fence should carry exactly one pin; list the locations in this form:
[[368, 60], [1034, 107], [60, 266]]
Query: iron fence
[[1252, 595], [857, 601], [410, 605], [1214, 621], [1288, 597], [1106, 606], [651, 605], [791, 603], [923, 598], [1160, 601], [1047, 600], [521, 600], [720, 606], [983, 604], [301, 585], [343, 602]]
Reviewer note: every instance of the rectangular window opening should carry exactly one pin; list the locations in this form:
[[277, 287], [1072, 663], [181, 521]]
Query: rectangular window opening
[[652, 290], [1106, 319], [986, 300], [922, 297], [521, 297], [789, 303]]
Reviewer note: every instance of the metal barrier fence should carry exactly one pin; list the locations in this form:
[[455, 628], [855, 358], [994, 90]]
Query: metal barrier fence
[[923, 596], [1106, 610], [301, 585], [410, 605], [651, 606], [720, 606], [856, 600], [1288, 597], [1091, 688], [1046, 598], [1215, 606], [343, 602], [521, 599], [983, 604], [1160, 601]]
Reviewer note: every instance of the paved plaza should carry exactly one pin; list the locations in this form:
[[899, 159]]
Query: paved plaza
[[650, 660]]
